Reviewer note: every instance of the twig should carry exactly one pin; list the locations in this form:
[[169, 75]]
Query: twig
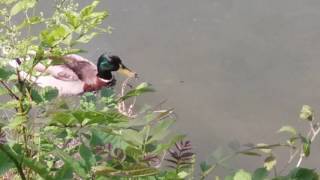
[[300, 157], [12, 94], [130, 110], [312, 130], [292, 156], [162, 158], [122, 108], [313, 133]]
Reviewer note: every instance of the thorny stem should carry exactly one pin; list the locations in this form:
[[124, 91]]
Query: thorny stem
[[23, 112]]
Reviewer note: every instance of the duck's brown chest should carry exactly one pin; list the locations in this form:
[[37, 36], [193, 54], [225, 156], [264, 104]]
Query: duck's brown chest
[[99, 84]]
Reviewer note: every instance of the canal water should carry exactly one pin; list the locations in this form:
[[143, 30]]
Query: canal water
[[234, 70]]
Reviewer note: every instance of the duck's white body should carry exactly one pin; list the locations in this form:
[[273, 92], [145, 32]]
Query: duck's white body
[[65, 88]]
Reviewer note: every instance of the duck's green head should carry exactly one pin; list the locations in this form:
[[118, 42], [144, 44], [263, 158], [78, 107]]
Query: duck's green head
[[106, 64]]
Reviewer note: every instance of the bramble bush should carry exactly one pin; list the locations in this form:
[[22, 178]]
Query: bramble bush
[[101, 136]]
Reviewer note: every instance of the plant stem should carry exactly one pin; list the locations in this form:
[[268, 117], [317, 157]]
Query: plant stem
[[313, 133], [12, 94]]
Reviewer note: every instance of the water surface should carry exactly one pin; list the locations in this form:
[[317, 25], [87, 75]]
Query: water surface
[[232, 69]]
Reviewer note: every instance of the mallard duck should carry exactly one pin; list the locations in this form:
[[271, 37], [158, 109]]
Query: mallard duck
[[78, 75]]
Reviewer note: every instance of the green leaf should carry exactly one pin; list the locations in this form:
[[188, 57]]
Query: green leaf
[[22, 5], [44, 94], [306, 113], [3, 91], [31, 21], [132, 171], [204, 166], [140, 89], [87, 37], [229, 177], [74, 51], [260, 174], [134, 153], [95, 19], [16, 122], [70, 161], [37, 167], [160, 131], [5, 73], [105, 170], [30, 163], [139, 121], [64, 173], [250, 153], [306, 144], [10, 104], [242, 175], [95, 117], [87, 156], [132, 136], [89, 117], [306, 148], [63, 118], [288, 129], [303, 174], [7, 2], [36, 97], [183, 174], [107, 92], [270, 162], [54, 35], [73, 19], [5, 163], [86, 11], [139, 170], [101, 138], [264, 148], [163, 147]]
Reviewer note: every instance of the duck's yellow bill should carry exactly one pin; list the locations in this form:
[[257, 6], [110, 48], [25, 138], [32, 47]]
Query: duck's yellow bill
[[127, 72]]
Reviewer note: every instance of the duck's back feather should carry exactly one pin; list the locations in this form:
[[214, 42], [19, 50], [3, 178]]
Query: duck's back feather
[[62, 72], [85, 70]]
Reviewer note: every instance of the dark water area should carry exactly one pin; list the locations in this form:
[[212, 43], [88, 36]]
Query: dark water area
[[234, 70]]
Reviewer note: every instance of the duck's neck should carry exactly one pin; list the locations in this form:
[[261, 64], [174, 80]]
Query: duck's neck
[[105, 75]]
